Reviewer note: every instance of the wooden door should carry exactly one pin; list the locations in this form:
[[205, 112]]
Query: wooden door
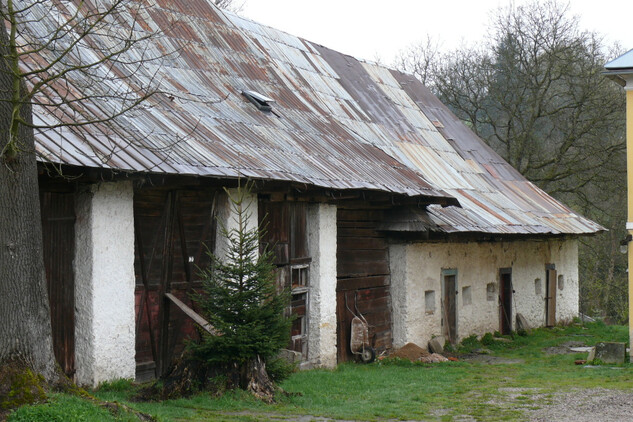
[[58, 235], [174, 230], [363, 279], [550, 299], [505, 301], [286, 235], [449, 305]]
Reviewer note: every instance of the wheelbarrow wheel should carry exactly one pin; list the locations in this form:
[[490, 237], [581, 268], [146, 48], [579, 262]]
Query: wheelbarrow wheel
[[368, 355]]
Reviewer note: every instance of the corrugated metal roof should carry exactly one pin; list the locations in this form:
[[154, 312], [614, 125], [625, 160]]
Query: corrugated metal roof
[[202, 125], [337, 123]]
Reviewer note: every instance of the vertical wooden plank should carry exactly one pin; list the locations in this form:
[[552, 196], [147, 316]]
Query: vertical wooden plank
[[551, 298], [449, 307], [298, 231], [163, 302], [343, 321], [505, 303]]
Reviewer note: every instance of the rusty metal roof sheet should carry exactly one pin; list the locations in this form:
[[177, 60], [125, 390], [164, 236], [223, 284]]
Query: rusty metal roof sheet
[[336, 122], [202, 125]]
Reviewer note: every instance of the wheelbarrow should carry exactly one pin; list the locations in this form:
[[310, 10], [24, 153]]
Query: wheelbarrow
[[359, 339]]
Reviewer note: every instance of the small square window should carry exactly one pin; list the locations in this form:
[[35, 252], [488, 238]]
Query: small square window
[[491, 292], [299, 276], [429, 302], [466, 296]]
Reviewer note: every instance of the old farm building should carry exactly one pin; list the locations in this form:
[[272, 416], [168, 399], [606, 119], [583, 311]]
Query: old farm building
[[379, 200]]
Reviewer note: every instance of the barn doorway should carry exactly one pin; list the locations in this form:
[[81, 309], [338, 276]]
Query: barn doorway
[[363, 279], [174, 229], [505, 300], [449, 305], [550, 298]]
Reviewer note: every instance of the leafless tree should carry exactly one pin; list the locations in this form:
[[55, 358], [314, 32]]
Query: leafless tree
[[421, 60], [534, 92], [68, 58]]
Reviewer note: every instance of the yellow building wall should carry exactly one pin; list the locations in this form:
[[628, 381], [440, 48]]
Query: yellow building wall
[[629, 171]]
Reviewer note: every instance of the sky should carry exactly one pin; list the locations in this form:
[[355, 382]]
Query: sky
[[374, 30]]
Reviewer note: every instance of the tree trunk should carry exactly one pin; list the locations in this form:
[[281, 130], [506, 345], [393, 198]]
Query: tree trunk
[[25, 324], [255, 380]]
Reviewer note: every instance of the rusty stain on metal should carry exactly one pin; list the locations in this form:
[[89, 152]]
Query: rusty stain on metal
[[338, 123]]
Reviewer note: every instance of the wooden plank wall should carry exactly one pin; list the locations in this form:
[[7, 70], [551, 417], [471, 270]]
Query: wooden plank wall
[[174, 228], [58, 234], [363, 278], [286, 235]]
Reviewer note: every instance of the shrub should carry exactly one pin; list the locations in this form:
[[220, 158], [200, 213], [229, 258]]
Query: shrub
[[487, 339]]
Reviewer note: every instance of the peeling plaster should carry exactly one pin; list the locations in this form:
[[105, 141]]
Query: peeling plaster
[[322, 301], [104, 287]]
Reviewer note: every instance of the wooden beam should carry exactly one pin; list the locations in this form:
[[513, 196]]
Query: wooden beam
[[192, 314]]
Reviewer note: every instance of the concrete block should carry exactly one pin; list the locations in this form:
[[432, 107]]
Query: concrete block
[[435, 346], [290, 356], [610, 352], [592, 355], [521, 323]]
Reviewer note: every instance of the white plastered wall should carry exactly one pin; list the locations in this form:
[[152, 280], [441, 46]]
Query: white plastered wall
[[417, 268], [322, 296], [228, 219], [104, 286]]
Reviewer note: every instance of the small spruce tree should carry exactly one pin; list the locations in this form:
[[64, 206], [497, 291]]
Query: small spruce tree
[[240, 299]]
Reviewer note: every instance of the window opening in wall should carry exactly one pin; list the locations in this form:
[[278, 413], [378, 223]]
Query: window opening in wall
[[299, 279], [561, 282], [429, 302], [491, 292], [466, 296], [538, 289], [299, 276]]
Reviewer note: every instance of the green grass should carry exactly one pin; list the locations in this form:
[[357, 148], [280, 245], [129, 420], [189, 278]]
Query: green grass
[[394, 389], [66, 408]]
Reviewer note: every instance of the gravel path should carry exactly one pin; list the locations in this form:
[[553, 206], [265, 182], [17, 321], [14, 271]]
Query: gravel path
[[592, 405]]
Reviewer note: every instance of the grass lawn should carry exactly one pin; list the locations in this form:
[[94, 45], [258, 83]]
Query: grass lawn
[[393, 389]]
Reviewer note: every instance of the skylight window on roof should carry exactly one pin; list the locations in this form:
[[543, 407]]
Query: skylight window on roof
[[260, 101]]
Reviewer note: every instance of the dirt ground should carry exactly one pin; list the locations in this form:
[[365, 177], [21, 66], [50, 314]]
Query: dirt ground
[[410, 351]]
